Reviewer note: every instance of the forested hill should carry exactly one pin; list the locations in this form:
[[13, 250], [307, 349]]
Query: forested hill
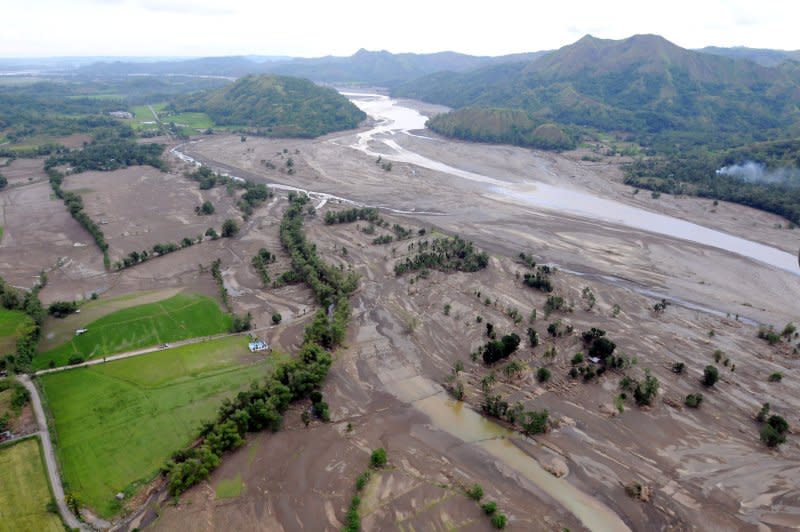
[[275, 106], [662, 95], [387, 69]]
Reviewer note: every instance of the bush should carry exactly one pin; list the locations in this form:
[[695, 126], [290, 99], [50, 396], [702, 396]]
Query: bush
[[475, 492], [693, 400], [276, 318], [378, 458], [499, 521], [776, 377], [678, 367], [75, 359], [207, 208], [489, 508], [61, 309], [361, 481], [645, 391], [710, 376], [577, 359], [543, 374], [230, 228]]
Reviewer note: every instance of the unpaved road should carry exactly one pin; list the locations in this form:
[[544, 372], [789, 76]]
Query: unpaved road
[[50, 457]]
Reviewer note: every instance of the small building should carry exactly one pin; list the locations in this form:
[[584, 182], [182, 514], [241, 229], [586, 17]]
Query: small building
[[121, 114], [594, 360], [258, 345], [81, 331]]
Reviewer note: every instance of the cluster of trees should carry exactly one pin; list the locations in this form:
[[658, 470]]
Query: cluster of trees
[[496, 350], [539, 279], [254, 195], [111, 151], [696, 174], [503, 126], [207, 178], [62, 309], [444, 254], [367, 214], [275, 106], [263, 405], [74, 204], [530, 421], [260, 262], [774, 427], [489, 508], [29, 303]]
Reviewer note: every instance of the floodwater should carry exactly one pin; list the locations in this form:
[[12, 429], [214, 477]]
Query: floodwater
[[457, 419], [393, 119]]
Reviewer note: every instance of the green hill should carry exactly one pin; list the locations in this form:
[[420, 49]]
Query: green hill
[[274, 106], [656, 92]]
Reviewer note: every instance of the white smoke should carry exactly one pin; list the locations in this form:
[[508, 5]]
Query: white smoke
[[753, 172]]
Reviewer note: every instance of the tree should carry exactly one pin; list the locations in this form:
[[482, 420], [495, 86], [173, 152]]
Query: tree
[[645, 391], [773, 433], [693, 400], [533, 337], [475, 492], [3, 182], [276, 318], [230, 228], [535, 422], [378, 458], [710, 376], [543, 374], [207, 208]]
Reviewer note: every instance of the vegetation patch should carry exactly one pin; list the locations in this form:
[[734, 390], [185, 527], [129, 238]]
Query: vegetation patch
[[116, 423], [177, 318], [25, 497], [230, 487]]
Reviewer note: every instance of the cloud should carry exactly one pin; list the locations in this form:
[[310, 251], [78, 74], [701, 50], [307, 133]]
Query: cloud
[[185, 7]]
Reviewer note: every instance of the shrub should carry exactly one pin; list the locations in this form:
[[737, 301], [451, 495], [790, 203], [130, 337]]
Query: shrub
[[678, 367], [230, 228], [378, 458], [276, 318], [645, 391], [75, 359], [693, 400], [769, 335], [475, 492], [499, 521], [577, 359], [489, 508], [361, 481], [776, 377], [710, 376], [543, 374], [535, 422]]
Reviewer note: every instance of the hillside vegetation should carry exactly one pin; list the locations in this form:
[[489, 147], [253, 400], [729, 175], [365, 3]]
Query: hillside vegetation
[[274, 106], [661, 95]]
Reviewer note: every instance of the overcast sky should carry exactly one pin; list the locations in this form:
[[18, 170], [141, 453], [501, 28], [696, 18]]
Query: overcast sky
[[312, 28]]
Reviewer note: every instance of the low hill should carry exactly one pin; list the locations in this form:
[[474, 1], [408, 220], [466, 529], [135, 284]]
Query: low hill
[[506, 126], [656, 92], [274, 106], [762, 56]]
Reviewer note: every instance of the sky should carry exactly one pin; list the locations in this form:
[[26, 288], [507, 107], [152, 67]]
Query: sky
[[173, 28]]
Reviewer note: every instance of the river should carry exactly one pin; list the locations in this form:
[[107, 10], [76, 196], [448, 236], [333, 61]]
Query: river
[[393, 119]]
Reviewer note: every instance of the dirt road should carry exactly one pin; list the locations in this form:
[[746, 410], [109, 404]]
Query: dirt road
[[50, 457]]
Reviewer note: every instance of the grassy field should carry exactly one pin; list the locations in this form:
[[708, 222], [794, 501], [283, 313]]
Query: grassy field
[[177, 318], [117, 423], [190, 120], [142, 114], [24, 490], [12, 324]]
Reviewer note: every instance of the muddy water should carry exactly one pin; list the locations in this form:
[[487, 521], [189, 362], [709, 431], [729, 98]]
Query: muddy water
[[393, 119], [467, 425]]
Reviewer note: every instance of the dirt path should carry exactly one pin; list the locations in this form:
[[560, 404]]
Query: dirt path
[[50, 457], [145, 351]]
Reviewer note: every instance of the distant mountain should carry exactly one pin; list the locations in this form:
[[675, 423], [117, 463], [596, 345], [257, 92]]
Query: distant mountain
[[376, 68], [277, 106], [384, 68], [646, 86], [762, 56]]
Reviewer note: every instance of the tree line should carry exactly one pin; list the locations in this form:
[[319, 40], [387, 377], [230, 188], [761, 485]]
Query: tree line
[[264, 404]]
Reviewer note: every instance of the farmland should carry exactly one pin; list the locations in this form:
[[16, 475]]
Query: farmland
[[117, 423], [179, 317], [12, 324], [199, 121], [24, 492]]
